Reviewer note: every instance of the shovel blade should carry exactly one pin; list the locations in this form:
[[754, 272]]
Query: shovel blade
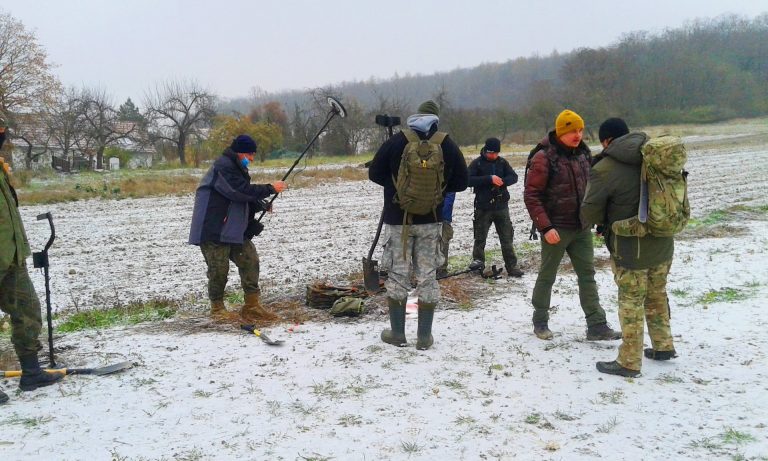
[[371, 275], [112, 368]]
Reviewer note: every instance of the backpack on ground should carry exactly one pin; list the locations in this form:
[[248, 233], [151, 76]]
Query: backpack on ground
[[664, 209]]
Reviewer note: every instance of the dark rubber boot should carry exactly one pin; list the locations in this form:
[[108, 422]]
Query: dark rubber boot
[[32, 376], [614, 368], [424, 339], [3, 397], [659, 355], [515, 272], [395, 335]]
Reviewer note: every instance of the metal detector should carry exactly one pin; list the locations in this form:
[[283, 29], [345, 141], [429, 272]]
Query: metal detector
[[40, 261], [336, 109]]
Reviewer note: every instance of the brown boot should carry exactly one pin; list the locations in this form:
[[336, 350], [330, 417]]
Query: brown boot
[[253, 310], [219, 312]]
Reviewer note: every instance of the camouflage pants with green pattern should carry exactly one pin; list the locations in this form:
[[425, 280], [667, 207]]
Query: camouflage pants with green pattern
[[422, 255], [642, 297], [217, 257], [19, 300]]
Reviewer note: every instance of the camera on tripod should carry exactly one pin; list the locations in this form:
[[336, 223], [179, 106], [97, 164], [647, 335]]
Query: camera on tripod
[[387, 121]]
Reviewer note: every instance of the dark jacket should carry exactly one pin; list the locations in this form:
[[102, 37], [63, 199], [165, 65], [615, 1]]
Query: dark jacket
[[386, 163], [557, 180], [225, 200], [488, 196], [613, 194]]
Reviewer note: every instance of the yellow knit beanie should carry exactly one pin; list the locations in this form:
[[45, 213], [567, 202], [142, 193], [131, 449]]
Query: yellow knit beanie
[[568, 121]]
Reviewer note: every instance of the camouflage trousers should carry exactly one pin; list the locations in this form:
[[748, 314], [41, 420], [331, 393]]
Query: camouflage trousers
[[422, 254], [503, 224], [217, 257], [642, 296], [19, 300], [446, 234]]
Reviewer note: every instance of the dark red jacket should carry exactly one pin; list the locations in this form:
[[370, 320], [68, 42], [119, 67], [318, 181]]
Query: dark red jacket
[[557, 180]]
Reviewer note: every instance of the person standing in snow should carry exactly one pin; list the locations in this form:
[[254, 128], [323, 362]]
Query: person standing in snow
[[18, 298], [554, 189], [413, 240], [223, 225], [489, 177], [640, 264]]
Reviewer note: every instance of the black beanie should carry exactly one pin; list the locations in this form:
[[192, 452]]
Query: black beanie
[[243, 144], [492, 145], [612, 128]]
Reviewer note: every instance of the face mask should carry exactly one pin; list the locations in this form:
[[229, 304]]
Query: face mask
[[244, 161]]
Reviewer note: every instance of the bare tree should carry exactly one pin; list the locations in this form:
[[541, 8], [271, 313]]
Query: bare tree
[[176, 110], [102, 123], [65, 122], [26, 81], [31, 130]]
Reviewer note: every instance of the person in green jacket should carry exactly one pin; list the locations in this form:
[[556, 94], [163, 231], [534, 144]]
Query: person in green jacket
[[640, 265], [18, 298]]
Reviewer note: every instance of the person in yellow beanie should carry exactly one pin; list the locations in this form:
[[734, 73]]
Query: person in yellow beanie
[[555, 185]]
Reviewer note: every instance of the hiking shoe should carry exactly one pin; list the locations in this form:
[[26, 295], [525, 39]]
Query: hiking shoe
[[477, 265], [659, 355], [614, 368], [3, 397], [31, 381], [602, 332], [541, 330], [515, 272]]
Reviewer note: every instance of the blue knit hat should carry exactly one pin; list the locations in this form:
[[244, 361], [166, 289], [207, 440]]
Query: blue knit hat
[[243, 144]]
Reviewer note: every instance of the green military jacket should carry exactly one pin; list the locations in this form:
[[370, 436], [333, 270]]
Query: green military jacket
[[14, 247], [613, 193]]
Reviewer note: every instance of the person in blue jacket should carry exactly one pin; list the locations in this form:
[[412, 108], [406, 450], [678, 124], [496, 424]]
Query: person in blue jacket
[[223, 225]]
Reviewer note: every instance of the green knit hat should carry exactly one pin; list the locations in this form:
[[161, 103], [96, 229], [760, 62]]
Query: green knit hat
[[429, 107]]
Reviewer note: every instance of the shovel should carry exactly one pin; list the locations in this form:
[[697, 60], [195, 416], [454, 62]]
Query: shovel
[[109, 369], [265, 338], [371, 266]]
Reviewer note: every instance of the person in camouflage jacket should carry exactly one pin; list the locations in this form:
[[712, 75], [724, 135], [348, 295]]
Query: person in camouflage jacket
[[640, 264], [18, 298]]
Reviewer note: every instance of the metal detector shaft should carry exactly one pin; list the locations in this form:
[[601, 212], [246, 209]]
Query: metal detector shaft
[[336, 109], [40, 260]]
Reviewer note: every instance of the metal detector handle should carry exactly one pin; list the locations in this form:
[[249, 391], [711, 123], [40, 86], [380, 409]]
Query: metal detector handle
[[49, 217], [336, 109]]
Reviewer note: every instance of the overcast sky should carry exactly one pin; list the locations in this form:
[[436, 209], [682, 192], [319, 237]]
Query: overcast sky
[[231, 46]]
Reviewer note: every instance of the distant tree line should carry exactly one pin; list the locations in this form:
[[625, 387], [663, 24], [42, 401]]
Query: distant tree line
[[706, 71]]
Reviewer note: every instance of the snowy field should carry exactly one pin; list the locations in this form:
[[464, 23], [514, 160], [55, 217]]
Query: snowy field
[[487, 390]]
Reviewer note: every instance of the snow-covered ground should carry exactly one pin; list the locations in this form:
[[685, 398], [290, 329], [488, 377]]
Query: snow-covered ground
[[487, 390]]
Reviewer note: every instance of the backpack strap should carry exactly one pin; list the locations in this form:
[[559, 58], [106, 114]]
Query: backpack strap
[[411, 135], [438, 137]]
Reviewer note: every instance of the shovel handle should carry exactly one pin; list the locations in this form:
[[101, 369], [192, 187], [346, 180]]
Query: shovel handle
[[17, 373]]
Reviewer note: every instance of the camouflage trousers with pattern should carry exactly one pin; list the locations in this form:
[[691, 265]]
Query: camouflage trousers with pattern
[[642, 299], [19, 300], [422, 254], [217, 257], [446, 235]]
